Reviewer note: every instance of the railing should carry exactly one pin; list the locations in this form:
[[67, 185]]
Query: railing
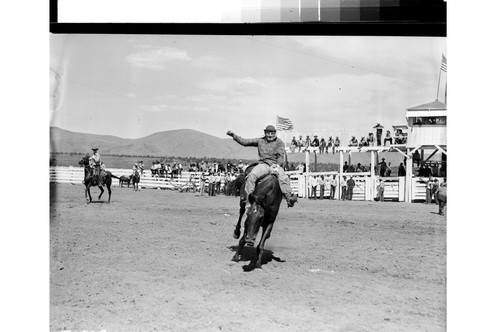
[[365, 188], [419, 191]]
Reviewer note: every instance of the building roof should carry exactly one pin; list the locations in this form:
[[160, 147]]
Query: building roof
[[435, 105], [400, 127]]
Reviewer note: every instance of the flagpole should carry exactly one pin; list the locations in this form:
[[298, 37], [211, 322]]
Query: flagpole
[[445, 91], [439, 82], [277, 131]]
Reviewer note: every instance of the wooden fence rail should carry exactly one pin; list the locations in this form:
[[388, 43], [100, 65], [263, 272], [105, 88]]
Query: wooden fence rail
[[364, 189]]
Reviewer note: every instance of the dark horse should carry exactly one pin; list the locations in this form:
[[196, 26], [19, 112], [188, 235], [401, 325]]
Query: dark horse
[[136, 178], [441, 195], [264, 207], [125, 179], [90, 181]]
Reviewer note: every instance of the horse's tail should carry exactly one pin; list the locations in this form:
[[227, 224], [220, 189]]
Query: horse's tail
[[113, 176]]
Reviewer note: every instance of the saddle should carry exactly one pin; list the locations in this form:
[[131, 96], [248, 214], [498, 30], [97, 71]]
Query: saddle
[[100, 176]]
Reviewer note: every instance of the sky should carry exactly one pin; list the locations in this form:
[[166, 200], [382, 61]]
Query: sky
[[472, 278], [131, 86]]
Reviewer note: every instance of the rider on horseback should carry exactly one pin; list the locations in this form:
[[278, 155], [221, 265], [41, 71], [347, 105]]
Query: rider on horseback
[[271, 156], [136, 170], [95, 165]]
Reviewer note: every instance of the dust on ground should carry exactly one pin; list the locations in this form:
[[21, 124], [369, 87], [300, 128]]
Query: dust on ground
[[160, 260]]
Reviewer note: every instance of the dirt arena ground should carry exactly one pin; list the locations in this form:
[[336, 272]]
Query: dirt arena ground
[[158, 260]]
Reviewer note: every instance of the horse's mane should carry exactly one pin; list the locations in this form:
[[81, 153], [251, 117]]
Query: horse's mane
[[84, 161]]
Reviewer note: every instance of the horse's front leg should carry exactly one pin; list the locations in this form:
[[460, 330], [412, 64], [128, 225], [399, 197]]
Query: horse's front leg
[[237, 230], [102, 191], [87, 195], [260, 248], [109, 192], [241, 244]]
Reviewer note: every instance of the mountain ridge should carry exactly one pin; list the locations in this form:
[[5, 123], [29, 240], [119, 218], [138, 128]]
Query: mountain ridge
[[178, 143]]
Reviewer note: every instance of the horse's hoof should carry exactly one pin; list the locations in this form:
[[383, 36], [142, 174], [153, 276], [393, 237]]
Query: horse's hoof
[[236, 258], [236, 234]]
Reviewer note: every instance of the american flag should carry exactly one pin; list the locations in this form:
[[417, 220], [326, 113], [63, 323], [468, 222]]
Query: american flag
[[283, 123], [444, 66]]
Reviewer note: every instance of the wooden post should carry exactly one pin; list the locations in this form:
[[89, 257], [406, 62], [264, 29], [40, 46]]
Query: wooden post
[[341, 174], [308, 157], [315, 161], [401, 189], [372, 174], [408, 179]]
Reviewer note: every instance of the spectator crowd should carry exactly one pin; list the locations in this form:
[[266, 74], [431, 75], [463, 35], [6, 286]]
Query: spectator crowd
[[330, 145]]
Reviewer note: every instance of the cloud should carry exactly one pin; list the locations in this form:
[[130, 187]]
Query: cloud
[[158, 59], [236, 85], [175, 108], [404, 58]]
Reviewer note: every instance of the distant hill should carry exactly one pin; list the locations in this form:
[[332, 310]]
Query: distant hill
[[179, 143]]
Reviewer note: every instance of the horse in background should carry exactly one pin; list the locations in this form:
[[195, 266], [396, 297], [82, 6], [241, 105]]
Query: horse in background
[[90, 180], [125, 179], [265, 203], [441, 197], [135, 178]]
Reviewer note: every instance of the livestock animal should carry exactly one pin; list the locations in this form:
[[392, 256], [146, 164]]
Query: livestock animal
[[441, 194], [135, 178], [125, 179], [264, 207], [91, 180]]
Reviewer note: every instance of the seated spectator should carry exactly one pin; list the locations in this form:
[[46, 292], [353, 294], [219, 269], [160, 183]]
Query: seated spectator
[[315, 142], [370, 139], [336, 144], [359, 168], [363, 142], [400, 137], [329, 145], [307, 143], [300, 143], [388, 137], [322, 145], [314, 146], [353, 141]]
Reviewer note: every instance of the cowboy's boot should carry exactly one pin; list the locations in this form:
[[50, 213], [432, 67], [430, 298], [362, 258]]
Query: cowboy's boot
[[291, 199], [243, 197]]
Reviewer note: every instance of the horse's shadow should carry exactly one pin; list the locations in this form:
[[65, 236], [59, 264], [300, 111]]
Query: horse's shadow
[[250, 254], [435, 213]]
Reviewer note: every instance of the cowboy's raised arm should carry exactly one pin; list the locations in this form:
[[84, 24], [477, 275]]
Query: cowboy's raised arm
[[243, 141]]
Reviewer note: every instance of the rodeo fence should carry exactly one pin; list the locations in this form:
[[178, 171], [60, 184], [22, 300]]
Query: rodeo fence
[[365, 188]]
